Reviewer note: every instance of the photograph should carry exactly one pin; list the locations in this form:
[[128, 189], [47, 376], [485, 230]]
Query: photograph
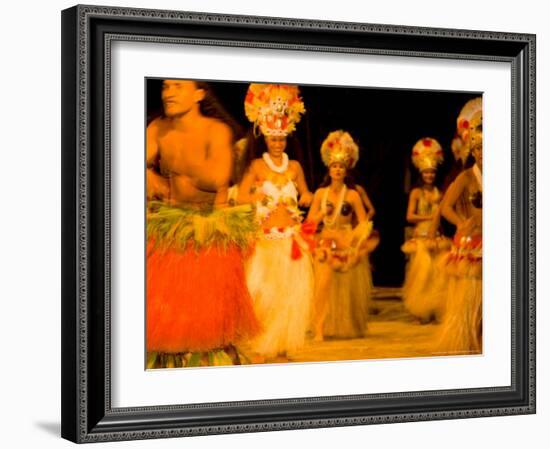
[[277, 223], [292, 223]]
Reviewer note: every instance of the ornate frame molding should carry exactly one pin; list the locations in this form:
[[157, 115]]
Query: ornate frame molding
[[87, 415]]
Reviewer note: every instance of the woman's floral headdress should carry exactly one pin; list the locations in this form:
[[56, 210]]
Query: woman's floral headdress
[[427, 154], [469, 123], [274, 108], [460, 149], [339, 146]]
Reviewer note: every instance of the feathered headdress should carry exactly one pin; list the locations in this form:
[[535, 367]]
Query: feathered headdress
[[274, 108], [459, 149], [469, 123], [339, 146], [427, 154]]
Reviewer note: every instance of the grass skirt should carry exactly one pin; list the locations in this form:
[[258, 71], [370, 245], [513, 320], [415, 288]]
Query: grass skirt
[[461, 330], [281, 287], [423, 289], [348, 300], [197, 299]]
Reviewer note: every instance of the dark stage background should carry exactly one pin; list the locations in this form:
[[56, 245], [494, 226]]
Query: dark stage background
[[385, 123]]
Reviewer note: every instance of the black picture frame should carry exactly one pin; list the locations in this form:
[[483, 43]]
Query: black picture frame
[[87, 414]]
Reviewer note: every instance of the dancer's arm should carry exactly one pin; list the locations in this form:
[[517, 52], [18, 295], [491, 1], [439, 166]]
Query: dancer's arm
[[357, 203], [315, 213], [366, 202], [450, 199], [412, 216], [305, 195], [157, 185]]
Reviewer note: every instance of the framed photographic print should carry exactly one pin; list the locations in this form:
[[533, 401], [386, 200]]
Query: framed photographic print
[[277, 224]]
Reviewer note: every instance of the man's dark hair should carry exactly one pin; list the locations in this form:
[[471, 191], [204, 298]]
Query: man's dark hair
[[211, 107]]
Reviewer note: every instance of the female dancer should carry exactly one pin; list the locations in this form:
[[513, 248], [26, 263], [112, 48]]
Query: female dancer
[[279, 272], [422, 249], [461, 331], [343, 280]]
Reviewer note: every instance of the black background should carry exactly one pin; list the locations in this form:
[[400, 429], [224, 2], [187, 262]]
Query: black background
[[385, 123]]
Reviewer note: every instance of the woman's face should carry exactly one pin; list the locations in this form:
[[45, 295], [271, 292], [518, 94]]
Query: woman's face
[[337, 171], [275, 145], [428, 176]]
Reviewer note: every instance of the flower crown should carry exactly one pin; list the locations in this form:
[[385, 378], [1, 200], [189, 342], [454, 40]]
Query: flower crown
[[460, 148], [427, 154], [469, 123], [339, 146], [274, 108]]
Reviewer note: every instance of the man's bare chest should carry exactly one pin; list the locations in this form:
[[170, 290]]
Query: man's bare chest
[[181, 152]]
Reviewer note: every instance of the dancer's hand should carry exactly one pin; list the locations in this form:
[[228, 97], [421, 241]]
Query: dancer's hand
[[305, 199], [353, 259], [432, 231], [337, 239], [259, 197], [466, 226]]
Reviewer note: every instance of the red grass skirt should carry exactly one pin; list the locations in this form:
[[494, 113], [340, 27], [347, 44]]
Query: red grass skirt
[[197, 300]]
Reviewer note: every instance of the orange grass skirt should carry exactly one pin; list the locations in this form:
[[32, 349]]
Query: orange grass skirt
[[197, 300]]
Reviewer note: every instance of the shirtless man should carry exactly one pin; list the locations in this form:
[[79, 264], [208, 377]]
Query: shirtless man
[[195, 151], [198, 306]]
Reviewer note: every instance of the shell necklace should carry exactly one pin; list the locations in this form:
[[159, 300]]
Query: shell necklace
[[277, 169], [336, 213]]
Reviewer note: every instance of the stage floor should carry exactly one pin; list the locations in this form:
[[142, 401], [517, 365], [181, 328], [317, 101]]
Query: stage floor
[[392, 333]]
